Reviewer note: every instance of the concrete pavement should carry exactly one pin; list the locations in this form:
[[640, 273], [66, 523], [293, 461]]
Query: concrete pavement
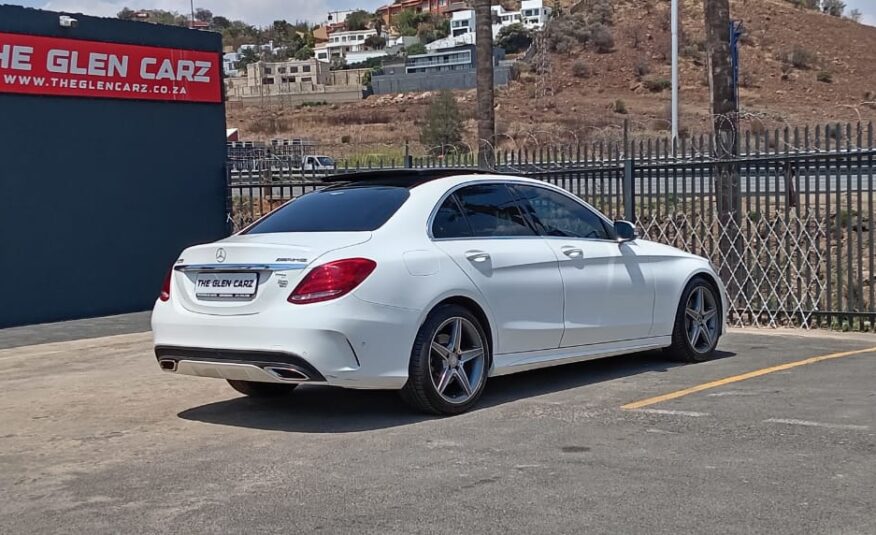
[[96, 439]]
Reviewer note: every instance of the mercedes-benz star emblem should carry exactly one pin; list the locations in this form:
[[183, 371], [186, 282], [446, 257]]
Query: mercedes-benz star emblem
[[220, 255]]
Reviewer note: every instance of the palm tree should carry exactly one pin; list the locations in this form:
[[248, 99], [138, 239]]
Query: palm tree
[[485, 111]]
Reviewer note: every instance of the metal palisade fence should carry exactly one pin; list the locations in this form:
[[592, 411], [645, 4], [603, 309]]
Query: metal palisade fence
[[793, 240]]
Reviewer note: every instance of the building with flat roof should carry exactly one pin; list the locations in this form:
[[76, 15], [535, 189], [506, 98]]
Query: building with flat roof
[[295, 81], [285, 72], [451, 68], [339, 44], [229, 63], [532, 15]]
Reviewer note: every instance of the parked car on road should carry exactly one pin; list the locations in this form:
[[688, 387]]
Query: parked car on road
[[428, 282], [318, 164]]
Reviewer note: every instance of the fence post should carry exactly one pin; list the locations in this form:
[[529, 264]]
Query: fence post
[[408, 163], [629, 183], [629, 190]]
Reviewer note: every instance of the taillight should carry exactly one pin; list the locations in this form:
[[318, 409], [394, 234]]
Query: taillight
[[165, 287], [332, 280]]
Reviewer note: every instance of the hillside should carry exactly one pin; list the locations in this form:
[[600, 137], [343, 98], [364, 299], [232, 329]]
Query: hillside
[[775, 94]]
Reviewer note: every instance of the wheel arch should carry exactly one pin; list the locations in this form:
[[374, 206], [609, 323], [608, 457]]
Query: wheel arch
[[711, 278], [475, 308]]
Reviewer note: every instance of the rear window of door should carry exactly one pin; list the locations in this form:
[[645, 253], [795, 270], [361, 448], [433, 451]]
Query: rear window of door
[[347, 209], [449, 221], [556, 214], [492, 211]]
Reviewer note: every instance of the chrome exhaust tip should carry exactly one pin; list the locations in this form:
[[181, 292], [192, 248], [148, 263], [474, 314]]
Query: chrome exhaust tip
[[167, 365], [287, 374]]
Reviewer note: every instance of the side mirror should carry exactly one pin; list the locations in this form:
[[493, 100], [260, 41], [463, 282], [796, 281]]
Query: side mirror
[[625, 231]]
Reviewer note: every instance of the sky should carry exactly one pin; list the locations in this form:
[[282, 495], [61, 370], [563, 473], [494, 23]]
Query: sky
[[263, 12], [867, 7], [258, 12]]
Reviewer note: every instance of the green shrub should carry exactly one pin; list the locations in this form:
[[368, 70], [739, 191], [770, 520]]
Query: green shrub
[[798, 57], [514, 38], [655, 84], [415, 49], [833, 7], [442, 130], [601, 38], [580, 70], [588, 25], [641, 68]]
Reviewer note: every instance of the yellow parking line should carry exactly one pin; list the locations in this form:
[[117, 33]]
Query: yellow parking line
[[742, 377]]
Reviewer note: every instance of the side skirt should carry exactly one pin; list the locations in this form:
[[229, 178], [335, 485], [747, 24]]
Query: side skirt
[[521, 362]]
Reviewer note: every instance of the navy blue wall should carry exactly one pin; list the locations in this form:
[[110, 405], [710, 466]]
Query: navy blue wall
[[98, 196]]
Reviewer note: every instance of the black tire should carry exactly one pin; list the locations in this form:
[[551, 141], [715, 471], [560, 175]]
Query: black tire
[[262, 390], [682, 350], [421, 392]]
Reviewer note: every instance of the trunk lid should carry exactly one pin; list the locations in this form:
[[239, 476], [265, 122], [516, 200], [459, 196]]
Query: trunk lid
[[273, 263]]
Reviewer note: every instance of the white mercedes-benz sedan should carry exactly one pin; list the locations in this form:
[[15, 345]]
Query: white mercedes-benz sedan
[[428, 282]]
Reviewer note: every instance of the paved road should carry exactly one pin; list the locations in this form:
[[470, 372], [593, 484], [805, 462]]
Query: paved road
[[95, 439], [688, 184]]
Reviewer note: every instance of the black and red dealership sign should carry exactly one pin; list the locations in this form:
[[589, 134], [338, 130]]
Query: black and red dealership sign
[[70, 67]]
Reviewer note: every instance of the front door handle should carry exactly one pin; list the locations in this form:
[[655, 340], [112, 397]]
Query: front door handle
[[477, 256], [572, 252]]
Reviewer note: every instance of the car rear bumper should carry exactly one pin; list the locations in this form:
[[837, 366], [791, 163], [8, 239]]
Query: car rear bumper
[[357, 345], [258, 366]]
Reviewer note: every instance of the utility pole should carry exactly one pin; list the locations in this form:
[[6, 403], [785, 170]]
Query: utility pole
[[725, 117], [484, 62], [674, 73]]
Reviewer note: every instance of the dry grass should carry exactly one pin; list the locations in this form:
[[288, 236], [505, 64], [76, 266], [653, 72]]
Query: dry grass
[[578, 108]]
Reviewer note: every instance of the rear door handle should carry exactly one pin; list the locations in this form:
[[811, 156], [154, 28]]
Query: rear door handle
[[572, 252], [477, 256]]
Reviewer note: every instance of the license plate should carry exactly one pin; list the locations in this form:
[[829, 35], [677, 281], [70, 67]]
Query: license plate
[[226, 285]]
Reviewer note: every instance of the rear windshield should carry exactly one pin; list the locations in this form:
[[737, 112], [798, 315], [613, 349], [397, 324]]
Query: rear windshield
[[347, 209]]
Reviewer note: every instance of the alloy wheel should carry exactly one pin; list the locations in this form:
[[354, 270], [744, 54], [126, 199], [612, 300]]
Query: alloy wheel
[[701, 319], [457, 360]]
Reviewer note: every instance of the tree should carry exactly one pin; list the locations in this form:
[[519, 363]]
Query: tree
[[725, 114], [358, 20], [375, 41], [126, 14], [416, 48], [856, 15], [249, 55], [442, 130], [485, 110], [408, 21], [433, 28], [834, 8], [220, 23], [377, 22], [514, 38], [203, 15], [281, 30], [427, 33], [303, 53]]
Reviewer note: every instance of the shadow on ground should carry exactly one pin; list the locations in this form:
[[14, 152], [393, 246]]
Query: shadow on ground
[[321, 409]]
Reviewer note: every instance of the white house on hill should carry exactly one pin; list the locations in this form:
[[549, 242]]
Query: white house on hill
[[533, 15]]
